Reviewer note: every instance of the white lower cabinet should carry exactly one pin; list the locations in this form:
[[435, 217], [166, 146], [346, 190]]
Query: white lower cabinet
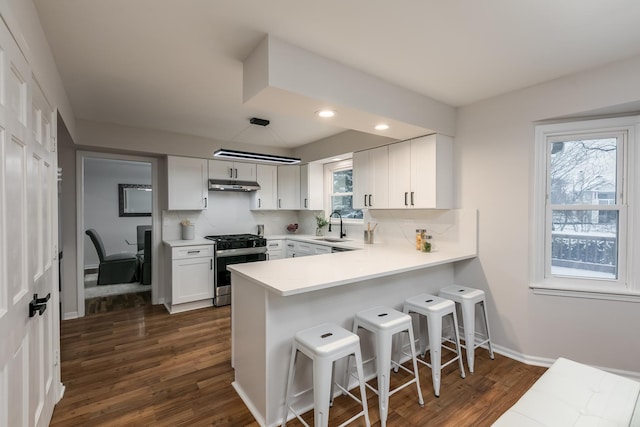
[[275, 249], [299, 249], [191, 277]]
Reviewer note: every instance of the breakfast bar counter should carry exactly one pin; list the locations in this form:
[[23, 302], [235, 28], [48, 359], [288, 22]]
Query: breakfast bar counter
[[273, 300]]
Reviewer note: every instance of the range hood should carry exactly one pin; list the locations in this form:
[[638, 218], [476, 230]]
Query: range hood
[[232, 185]]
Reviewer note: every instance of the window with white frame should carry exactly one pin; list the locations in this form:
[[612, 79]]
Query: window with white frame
[[339, 185], [584, 182]]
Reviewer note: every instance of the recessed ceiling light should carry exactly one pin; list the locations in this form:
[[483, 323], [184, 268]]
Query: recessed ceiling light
[[336, 159], [326, 113], [382, 126]]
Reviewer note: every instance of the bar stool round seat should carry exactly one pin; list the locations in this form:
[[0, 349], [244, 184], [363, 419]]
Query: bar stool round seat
[[435, 309], [324, 344], [468, 299], [385, 323]]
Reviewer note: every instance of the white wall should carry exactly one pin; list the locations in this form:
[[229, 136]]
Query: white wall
[[24, 22], [493, 158], [101, 179]]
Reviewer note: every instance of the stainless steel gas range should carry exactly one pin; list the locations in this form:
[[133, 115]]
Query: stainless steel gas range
[[233, 249]]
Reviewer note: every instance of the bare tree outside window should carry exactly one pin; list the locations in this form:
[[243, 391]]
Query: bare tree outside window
[[582, 188]]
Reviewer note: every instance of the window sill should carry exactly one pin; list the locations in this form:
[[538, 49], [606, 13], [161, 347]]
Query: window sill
[[591, 293]]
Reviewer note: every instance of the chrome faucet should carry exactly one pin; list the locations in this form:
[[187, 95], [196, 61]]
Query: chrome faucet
[[342, 234]]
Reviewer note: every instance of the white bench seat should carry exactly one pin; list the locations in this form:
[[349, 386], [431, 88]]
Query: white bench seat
[[573, 394]]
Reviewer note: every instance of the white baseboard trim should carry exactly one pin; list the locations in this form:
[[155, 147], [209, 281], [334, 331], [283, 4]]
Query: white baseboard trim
[[70, 315], [546, 362], [249, 404]]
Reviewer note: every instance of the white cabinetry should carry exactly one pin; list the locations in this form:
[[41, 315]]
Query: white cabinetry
[[267, 197], [311, 187], [295, 249], [237, 171], [420, 173], [191, 277], [187, 183], [275, 249], [289, 187], [290, 248], [371, 179]]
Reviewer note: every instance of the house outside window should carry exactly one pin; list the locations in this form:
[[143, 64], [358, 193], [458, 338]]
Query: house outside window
[[339, 182], [584, 176]]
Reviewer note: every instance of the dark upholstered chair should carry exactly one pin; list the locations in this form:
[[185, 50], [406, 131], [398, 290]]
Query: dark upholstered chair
[[116, 268], [145, 260]]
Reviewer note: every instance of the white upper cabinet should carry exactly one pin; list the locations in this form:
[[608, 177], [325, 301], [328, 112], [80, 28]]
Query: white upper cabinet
[[311, 187], [187, 179], [239, 171], [289, 187], [267, 197], [371, 179], [420, 173]]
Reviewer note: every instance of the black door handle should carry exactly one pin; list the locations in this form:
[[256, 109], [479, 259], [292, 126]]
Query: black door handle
[[38, 305]]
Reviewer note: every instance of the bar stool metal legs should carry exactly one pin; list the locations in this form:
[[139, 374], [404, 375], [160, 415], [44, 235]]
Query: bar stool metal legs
[[324, 344], [384, 323], [469, 298], [435, 309]]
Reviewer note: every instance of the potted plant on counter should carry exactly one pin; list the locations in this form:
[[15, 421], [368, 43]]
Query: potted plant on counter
[[321, 222]]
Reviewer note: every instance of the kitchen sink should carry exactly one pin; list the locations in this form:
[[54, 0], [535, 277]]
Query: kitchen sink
[[331, 239]]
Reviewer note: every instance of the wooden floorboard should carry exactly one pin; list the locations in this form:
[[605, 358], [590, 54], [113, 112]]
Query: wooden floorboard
[[141, 366]]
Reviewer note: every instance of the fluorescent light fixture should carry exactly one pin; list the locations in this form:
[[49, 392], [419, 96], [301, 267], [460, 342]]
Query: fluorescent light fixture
[[256, 157], [382, 126], [326, 113]]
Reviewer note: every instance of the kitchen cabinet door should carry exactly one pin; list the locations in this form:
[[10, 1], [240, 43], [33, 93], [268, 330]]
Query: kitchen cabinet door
[[420, 174], [275, 249], [361, 181], [191, 274], [289, 187], [399, 175], [311, 187], [187, 183], [431, 174], [371, 179], [238, 171], [267, 197]]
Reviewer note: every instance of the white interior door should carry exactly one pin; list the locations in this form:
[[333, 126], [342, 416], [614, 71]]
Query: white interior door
[[29, 373]]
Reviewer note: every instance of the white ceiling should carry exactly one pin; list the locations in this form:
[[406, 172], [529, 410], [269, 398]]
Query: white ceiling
[[176, 65]]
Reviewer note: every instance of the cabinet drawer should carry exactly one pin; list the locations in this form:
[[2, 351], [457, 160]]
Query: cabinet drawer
[[321, 249], [275, 244], [198, 251]]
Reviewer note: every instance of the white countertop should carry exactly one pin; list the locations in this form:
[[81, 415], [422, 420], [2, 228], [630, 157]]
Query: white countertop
[[192, 242], [292, 276]]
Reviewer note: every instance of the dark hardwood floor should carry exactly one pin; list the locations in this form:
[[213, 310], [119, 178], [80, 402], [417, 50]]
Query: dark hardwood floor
[[141, 366]]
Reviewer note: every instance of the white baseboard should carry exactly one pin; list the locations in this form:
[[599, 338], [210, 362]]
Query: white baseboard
[[249, 404], [546, 362], [70, 315]]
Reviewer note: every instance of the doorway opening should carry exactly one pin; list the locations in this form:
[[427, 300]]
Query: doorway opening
[[116, 233]]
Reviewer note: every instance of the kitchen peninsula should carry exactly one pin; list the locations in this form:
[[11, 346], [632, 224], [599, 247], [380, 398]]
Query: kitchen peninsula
[[273, 300]]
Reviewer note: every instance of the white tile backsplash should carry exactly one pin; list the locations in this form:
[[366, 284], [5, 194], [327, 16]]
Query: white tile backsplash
[[230, 213]]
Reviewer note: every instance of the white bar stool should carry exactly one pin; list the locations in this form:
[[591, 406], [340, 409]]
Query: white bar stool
[[435, 309], [468, 299], [324, 344], [384, 323]]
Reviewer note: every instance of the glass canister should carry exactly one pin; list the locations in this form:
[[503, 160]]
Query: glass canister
[[427, 243], [419, 233]]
